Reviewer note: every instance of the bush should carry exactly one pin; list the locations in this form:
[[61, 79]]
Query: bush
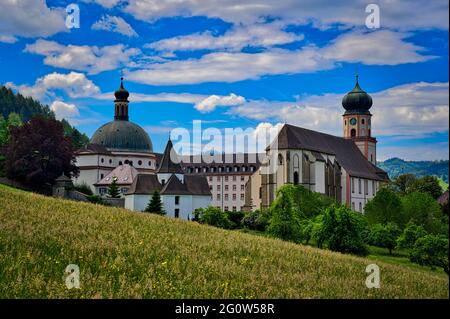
[[385, 207], [235, 219], [83, 188], [384, 236], [215, 217], [341, 230], [96, 199], [284, 223], [431, 250], [256, 220], [424, 210], [410, 234]]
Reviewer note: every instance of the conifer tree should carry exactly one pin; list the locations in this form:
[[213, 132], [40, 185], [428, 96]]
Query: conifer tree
[[155, 205], [113, 189]]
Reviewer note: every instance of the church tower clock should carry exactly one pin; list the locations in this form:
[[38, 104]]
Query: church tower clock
[[357, 121]]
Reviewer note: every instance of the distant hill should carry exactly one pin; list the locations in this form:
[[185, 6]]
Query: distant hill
[[27, 107], [124, 254], [396, 166]]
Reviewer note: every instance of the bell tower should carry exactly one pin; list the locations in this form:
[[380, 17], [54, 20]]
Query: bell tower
[[121, 103], [357, 121]]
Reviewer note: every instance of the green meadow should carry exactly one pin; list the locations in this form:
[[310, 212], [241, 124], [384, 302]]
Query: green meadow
[[123, 254]]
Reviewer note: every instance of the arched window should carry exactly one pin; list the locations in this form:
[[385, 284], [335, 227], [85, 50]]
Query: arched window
[[280, 159], [295, 178], [139, 162], [305, 169], [296, 161], [363, 121], [353, 132], [120, 163]]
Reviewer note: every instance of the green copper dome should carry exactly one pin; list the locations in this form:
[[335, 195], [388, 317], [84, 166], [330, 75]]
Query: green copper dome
[[357, 100], [122, 136]]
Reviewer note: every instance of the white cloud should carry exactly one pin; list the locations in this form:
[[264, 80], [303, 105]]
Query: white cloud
[[405, 15], [408, 109], [64, 110], [8, 39], [73, 84], [23, 18], [105, 3], [114, 24], [91, 59], [212, 101], [256, 35], [380, 47]]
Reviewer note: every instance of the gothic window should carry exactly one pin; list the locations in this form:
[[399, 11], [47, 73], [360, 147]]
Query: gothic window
[[306, 169], [353, 132], [295, 178], [296, 161], [280, 159]]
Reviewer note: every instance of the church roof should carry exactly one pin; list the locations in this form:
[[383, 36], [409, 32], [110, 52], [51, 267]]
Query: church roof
[[347, 153], [146, 184], [125, 175], [170, 162]]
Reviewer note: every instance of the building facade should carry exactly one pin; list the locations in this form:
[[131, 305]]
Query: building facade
[[342, 168]]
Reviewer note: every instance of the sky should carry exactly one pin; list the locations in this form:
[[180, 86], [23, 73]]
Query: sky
[[232, 64]]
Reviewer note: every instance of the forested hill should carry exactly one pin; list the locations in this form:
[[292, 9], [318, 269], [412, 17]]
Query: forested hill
[[396, 166], [27, 107]]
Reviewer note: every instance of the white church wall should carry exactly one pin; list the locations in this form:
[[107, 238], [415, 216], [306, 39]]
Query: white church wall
[[184, 206]]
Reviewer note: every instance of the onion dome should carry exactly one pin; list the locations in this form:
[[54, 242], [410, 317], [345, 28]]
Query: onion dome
[[121, 94], [357, 100]]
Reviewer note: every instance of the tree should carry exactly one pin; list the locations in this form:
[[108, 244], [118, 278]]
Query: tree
[[409, 236], [385, 207], [235, 219], [403, 182], [78, 139], [113, 189], [256, 220], [384, 236], [155, 205], [5, 124], [341, 230], [284, 223], [431, 250], [38, 152], [427, 184], [423, 210], [214, 216]]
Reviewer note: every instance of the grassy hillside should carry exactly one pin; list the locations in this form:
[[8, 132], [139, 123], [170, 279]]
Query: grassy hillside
[[133, 255], [397, 166]]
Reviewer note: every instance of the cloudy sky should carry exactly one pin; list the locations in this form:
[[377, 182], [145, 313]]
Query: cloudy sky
[[233, 63]]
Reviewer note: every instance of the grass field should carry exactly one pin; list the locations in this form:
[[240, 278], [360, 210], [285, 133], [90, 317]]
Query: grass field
[[122, 254]]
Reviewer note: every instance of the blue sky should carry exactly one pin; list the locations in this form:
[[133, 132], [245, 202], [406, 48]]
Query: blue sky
[[250, 65]]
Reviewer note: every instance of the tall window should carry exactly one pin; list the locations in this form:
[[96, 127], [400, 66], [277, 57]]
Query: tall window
[[360, 207], [353, 132], [366, 187], [177, 213], [359, 185], [177, 200], [353, 185], [295, 178]]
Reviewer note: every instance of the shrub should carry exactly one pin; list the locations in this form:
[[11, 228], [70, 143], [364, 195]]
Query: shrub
[[83, 188], [431, 250], [341, 230], [284, 223], [384, 236], [385, 207], [410, 234], [256, 220], [96, 199], [235, 219], [215, 217]]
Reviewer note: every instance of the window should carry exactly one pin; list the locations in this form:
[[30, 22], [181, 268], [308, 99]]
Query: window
[[234, 187], [353, 185], [359, 185], [110, 161], [353, 205], [226, 187], [177, 213], [218, 187], [102, 160], [226, 178], [234, 178], [177, 200], [210, 187], [295, 178], [234, 196], [149, 163], [234, 208], [102, 190], [280, 159], [362, 121], [242, 196], [123, 190], [371, 158], [242, 178], [260, 192], [226, 196], [218, 196], [360, 207], [210, 178], [353, 132], [366, 186], [120, 163], [101, 176], [242, 187], [139, 162], [163, 181], [218, 178], [225, 208], [373, 188]]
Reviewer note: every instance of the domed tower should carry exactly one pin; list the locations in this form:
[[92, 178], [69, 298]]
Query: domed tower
[[357, 121], [121, 134]]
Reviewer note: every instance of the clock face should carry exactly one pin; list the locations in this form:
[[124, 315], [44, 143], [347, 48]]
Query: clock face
[[353, 121]]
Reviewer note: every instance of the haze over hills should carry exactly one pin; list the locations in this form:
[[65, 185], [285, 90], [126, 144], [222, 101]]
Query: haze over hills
[[396, 166]]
